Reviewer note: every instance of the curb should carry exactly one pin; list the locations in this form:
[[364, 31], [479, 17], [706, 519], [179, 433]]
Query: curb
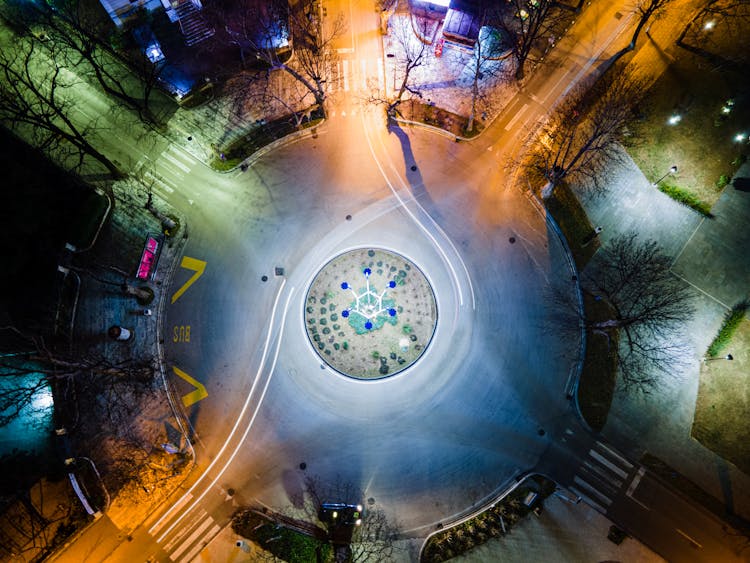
[[105, 216], [519, 481], [574, 377], [286, 139]]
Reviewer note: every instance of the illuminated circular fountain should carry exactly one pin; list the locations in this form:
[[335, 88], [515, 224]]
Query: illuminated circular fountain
[[370, 313]]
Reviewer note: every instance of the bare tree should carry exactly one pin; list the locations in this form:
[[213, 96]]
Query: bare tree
[[489, 47], [35, 102], [370, 541], [584, 132], [76, 37], [528, 24], [260, 26], [715, 29], [411, 53], [648, 307]]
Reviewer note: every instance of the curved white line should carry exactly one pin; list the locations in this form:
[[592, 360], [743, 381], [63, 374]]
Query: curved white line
[[247, 428], [419, 223], [157, 524]]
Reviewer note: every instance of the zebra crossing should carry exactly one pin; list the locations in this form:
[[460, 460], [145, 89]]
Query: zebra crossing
[[602, 475], [173, 165], [185, 540], [358, 76]]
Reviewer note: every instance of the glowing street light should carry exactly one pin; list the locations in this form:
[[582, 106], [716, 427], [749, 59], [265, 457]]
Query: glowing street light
[[674, 119], [709, 25], [739, 137], [672, 170]]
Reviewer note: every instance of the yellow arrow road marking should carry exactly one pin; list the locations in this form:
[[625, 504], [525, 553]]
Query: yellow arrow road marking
[[198, 266], [198, 394]]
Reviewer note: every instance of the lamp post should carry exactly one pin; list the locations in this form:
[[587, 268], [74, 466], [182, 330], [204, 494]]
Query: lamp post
[[727, 357], [671, 171]]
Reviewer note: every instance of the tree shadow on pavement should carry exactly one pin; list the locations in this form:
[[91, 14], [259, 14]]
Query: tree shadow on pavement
[[412, 173]]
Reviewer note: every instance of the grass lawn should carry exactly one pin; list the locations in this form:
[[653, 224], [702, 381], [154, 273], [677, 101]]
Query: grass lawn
[[722, 409], [701, 144], [574, 224]]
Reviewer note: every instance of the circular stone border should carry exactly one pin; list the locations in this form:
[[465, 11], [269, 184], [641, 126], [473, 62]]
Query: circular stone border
[[370, 313]]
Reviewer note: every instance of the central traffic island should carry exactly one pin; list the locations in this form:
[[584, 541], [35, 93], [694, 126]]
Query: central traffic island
[[370, 313]]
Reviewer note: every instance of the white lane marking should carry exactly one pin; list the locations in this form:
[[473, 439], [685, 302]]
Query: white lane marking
[[516, 117], [159, 181], [189, 541], [381, 73], [346, 75], [190, 523], [459, 287], [624, 462], [176, 162], [345, 50], [258, 373], [363, 64], [604, 461], [588, 500], [192, 554], [177, 506], [185, 157], [636, 480], [688, 538], [603, 474], [264, 356], [577, 480]]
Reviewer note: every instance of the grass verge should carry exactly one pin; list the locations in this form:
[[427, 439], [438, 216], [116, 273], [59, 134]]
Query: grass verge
[[496, 521], [573, 222], [232, 155], [599, 374], [731, 323], [283, 543], [722, 407], [429, 114], [686, 198]]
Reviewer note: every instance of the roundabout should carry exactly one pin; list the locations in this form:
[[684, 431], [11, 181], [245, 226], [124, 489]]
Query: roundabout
[[405, 350], [370, 313]]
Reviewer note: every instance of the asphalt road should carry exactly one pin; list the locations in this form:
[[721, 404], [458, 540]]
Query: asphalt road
[[485, 403]]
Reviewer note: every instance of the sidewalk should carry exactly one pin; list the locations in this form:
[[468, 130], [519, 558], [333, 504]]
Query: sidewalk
[[151, 420]]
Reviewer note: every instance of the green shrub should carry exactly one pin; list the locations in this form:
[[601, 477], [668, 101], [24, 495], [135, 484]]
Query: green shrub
[[731, 322], [686, 198], [722, 182]]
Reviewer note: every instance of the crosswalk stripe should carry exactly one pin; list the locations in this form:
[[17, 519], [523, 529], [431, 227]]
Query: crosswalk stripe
[[185, 157], [193, 553], [193, 520], [176, 507], [604, 461], [593, 490], [623, 462], [599, 471], [189, 541], [159, 182], [588, 500], [176, 162]]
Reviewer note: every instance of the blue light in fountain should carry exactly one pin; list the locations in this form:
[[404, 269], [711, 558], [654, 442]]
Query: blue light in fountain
[[370, 310]]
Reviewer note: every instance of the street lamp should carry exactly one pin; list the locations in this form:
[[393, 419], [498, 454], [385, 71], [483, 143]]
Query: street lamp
[[727, 357], [671, 171]]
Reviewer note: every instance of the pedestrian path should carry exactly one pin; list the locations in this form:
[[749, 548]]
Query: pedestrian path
[[602, 476], [182, 538]]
